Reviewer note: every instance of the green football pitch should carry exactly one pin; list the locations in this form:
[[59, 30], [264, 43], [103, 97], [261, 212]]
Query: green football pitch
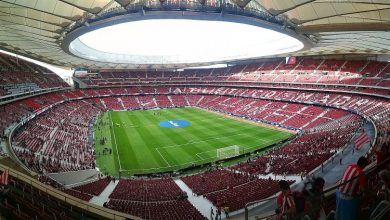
[[151, 141]]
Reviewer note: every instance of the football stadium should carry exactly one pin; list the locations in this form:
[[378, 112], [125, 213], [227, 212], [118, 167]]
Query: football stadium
[[166, 109]]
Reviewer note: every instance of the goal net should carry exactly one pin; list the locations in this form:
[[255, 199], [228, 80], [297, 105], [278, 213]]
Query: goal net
[[228, 152]]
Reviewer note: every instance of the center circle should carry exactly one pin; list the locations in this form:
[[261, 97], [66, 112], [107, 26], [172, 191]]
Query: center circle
[[174, 123]]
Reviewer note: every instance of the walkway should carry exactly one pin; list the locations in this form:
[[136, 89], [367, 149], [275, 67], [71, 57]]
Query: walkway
[[202, 204], [103, 197]]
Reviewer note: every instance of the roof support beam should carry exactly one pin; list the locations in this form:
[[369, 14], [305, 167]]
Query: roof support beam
[[28, 32], [278, 12], [124, 3], [89, 10], [30, 39], [15, 23], [300, 22], [46, 22], [242, 3], [60, 16], [369, 26], [15, 34], [353, 2]]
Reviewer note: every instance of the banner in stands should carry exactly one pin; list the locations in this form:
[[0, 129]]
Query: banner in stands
[[290, 60]]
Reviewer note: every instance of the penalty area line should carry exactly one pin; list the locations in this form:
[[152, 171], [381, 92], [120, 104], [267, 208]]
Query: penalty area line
[[162, 157]]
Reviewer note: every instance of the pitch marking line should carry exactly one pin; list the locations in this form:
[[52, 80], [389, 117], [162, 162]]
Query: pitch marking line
[[239, 118], [116, 146], [215, 150], [217, 137], [214, 138], [201, 158], [169, 165]]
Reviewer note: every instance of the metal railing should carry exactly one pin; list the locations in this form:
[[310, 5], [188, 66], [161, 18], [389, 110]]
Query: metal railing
[[371, 169], [68, 199]]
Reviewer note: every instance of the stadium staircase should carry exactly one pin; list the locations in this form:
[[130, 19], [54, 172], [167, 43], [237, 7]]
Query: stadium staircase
[[170, 100], [45, 145], [274, 70], [318, 116], [329, 125], [138, 102], [154, 101], [121, 103], [320, 64], [186, 99], [202, 204], [104, 104], [337, 71], [363, 67], [293, 115], [381, 71], [200, 100], [103, 197], [292, 71]]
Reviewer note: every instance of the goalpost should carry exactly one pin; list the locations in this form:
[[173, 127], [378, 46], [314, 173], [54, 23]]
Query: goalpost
[[228, 152]]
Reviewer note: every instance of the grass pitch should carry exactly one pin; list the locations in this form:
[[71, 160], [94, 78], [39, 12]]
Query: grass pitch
[[141, 146]]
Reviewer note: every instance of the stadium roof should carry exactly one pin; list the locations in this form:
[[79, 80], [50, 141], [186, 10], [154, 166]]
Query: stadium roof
[[37, 28]]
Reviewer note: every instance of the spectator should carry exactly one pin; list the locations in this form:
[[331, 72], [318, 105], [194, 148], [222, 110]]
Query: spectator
[[285, 201], [314, 198], [381, 155], [226, 210], [353, 184], [212, 213], [219, 213], [384, 191]]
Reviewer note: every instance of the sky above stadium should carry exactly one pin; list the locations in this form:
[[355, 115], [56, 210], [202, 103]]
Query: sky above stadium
[[182, 40]]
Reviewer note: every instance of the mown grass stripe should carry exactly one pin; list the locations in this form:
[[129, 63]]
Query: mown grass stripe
[[138, 139], [144, 146]]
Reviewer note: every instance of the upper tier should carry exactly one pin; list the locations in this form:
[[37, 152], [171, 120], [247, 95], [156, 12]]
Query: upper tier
[[18, 76], [306, 70]]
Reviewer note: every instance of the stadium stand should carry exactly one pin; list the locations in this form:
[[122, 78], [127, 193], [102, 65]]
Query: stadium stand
[[307, 70], [95, 187], [173, 209], [215, 180], [333, 89], [78, 194], [152, 199], [325, 119], [52, 135], [147, 190], [236, 198], [19, 76], [27, 198], [222, 187], [48, 134], [85, 191]]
